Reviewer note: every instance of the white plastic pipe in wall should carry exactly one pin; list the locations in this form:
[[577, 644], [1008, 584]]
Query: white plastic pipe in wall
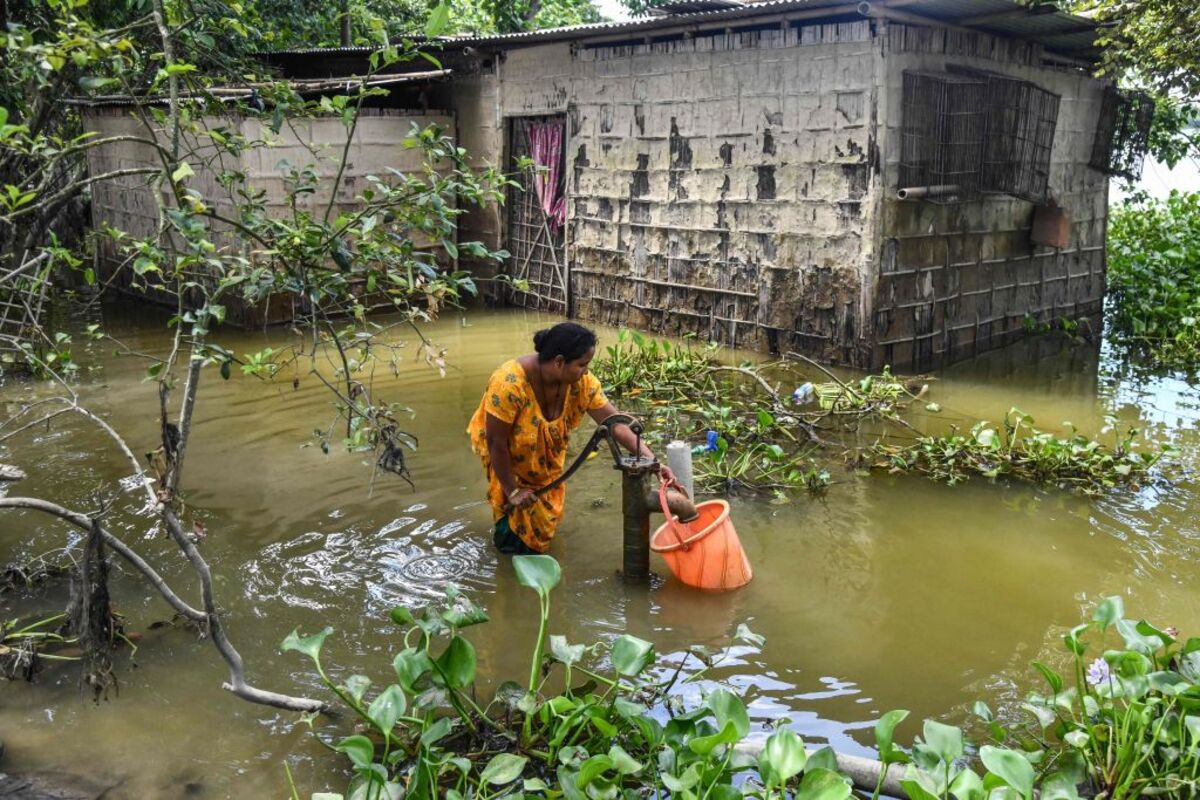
[[679, 459], [917, 192]]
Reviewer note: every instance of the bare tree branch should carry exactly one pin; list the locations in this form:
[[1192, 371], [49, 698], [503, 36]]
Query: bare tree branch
[[237, 680], [84, 522]]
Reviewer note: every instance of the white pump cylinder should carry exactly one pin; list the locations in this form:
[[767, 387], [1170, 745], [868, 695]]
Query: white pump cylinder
[[679, 459]]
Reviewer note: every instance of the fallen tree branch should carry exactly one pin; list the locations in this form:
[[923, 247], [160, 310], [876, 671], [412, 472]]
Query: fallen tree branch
[[83, 522], [72, 405], [210, 617], [762, 381], [237, 681], [845, 386]]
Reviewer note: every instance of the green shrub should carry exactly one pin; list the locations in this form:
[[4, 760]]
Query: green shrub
[[1154, 277]]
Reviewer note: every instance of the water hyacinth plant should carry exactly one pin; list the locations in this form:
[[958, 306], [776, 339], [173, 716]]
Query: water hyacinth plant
[[1017, 449], [426, 735], [757, 436], [601, 722], [1126, 721]]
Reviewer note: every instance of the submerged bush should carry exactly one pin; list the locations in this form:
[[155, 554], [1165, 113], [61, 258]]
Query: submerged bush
[[1154, 277], [1019, 450]]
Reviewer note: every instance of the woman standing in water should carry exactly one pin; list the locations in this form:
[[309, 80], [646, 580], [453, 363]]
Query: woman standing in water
[[520, 432]]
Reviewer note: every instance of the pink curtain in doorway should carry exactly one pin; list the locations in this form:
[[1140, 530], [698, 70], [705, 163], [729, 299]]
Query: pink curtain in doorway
[[546, 146]]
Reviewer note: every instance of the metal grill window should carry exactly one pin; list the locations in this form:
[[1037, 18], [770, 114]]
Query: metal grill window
[[943, 131], [1022, 119], [1123, 133]]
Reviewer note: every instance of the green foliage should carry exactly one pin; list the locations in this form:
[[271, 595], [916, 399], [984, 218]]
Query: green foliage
[[1018, 450], [638, 364], [1150, 39], [755, 440], [426, 735], [1154, 278], [1128, 726], [511, 16], [1125, 721]]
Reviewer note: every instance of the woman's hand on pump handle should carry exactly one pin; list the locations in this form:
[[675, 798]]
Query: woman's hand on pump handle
[[520, 498]]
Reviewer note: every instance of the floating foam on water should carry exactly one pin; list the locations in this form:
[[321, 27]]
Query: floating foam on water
[[133, 483]]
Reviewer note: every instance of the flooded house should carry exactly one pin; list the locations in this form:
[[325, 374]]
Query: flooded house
[[897, 182]]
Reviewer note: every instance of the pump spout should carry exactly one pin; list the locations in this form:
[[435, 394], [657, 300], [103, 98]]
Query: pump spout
[[678, 503]]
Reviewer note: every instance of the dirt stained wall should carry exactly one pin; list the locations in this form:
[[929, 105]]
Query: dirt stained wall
[[960, 279], [717, 185]]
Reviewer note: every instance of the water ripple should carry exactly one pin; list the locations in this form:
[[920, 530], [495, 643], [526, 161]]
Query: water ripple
[[405, 561]]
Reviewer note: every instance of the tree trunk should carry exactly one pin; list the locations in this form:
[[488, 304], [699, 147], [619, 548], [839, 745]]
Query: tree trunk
[[90, 613], [345, 22]]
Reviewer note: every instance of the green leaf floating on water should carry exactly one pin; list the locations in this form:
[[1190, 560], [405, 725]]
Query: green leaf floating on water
[[744, 634], [946, 740], [540, 573], [410, 664], [729, 708], [503, 768], [356, 686], [631, 655], [703, 745], [885, 731], [308, 645], [1109, 611], [402, 616], [387, 708], [623, 762], [566, 653], [783, 756], [358, 748]]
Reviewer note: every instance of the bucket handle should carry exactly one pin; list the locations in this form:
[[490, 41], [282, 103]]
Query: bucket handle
[[672, 520]]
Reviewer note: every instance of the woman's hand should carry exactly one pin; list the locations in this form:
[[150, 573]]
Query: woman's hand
[[665, 475], [522, 498]]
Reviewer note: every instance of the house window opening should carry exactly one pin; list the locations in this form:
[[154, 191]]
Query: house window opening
[[1123, 133], [942, 136], [1022, 119]]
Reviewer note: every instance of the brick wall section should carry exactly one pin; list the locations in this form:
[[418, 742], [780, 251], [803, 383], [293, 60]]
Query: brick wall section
[[128, 204], [719, 185], [959, 279]]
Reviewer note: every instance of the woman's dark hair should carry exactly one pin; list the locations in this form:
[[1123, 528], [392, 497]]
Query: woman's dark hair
[[567, 339]]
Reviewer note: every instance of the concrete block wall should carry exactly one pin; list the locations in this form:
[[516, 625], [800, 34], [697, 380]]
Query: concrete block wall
[[960, 279], [475, 100], [719, 185], [128, 203]]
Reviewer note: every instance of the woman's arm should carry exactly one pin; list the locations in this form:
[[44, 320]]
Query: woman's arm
[[628, 438], [498, 436]]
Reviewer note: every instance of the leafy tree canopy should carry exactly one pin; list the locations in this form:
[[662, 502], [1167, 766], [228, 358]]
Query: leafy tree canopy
[[1153, 45]]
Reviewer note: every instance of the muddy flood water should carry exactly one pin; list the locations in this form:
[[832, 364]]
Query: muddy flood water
[[888, 592]]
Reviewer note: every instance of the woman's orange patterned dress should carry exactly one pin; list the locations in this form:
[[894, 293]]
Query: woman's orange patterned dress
[[537, 446]]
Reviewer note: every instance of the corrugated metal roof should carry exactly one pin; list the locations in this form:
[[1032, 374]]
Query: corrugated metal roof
[[1068, 34], [302, 86], [597, 28], [1065, 34]]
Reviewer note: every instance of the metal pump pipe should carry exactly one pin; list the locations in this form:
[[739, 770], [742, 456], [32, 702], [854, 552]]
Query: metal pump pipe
[[638, 498]]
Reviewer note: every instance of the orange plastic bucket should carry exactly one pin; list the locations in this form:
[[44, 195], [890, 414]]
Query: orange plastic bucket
[[704, 553]]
